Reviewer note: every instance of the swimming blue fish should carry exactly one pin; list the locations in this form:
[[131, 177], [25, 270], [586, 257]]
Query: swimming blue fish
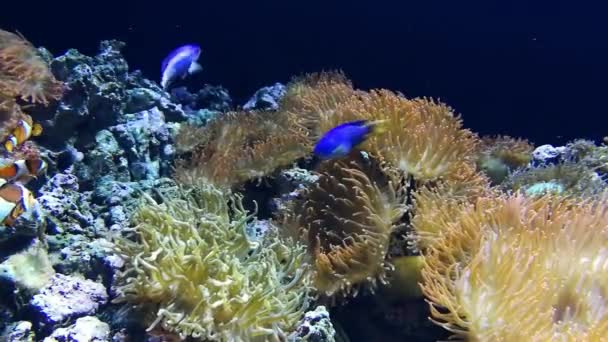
[[342, 139], [180, 63]]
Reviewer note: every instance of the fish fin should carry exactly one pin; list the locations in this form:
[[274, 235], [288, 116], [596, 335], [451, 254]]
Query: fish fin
[[9, 144], [342, 150], [194, 68]]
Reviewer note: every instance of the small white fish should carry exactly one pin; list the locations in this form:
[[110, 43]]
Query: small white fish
[[180, 63]]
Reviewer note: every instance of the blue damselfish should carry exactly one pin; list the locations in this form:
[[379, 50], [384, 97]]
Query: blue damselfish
[[180, 63], [342, 139]]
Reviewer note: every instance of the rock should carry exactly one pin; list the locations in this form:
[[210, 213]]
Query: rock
[[67, 208], [67, 297], [29, 270], [86, 329], [20, 331], [315, 327], [209, 97], [106, 161], [547, 154], [266, 98], [143, 138]]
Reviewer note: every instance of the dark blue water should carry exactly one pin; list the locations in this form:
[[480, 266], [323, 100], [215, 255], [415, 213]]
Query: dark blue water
[[535, 69]]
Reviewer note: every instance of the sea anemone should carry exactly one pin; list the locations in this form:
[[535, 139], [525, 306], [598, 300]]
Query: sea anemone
[[194, 263], [313, 102], [236, 147], [438, 204], [347, 218], [23, 73], [423, 138], [514, 268]]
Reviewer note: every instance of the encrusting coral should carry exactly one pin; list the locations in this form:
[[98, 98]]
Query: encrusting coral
[[346, 218], [514, 268], [194, 261]]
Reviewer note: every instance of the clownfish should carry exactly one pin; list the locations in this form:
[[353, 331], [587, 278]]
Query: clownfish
[[15, 199], [22, 169], [25, 129], [342, 139]]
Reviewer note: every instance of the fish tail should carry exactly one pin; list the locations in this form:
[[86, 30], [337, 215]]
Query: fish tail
[[377, 127]]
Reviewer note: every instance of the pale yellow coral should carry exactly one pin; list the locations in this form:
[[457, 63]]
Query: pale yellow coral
[[194, 261], [519, 269]]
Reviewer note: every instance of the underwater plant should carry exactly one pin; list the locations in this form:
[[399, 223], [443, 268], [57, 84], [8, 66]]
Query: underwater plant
[[195, 263], [346, 219], [514, 268]]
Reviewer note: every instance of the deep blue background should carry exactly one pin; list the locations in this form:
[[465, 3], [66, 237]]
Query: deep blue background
[[535, 69]]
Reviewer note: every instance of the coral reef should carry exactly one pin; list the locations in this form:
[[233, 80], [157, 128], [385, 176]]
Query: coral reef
[[501, 155], [195, 262], [147, 195]]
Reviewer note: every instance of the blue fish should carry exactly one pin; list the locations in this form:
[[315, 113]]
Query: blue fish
[[342, 139], [180, 63]]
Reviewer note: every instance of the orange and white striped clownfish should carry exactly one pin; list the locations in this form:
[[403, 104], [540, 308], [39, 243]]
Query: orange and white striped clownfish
[[21, 169], [15, 199], [25, 129]]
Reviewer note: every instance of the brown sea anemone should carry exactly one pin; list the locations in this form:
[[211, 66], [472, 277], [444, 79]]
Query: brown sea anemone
[[346, 219], [23, 73], [237, 147]]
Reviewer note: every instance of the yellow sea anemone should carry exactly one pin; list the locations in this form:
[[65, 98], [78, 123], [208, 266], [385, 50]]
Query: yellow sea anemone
[[513, 268], [314, 102], [423, 138], [441, 203], [194, 263]]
